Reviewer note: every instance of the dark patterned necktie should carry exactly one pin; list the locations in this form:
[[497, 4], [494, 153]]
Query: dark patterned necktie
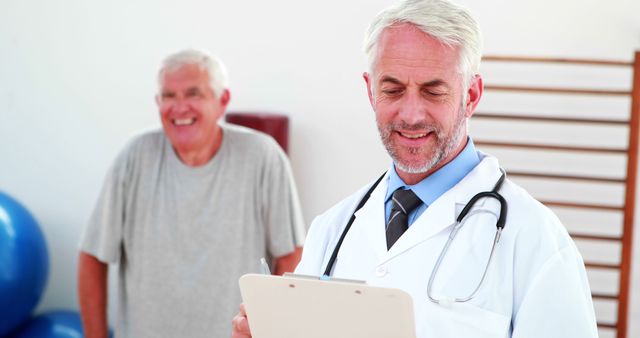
[[404, 201]]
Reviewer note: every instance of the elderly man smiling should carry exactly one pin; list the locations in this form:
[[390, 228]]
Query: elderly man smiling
[[185, 211]]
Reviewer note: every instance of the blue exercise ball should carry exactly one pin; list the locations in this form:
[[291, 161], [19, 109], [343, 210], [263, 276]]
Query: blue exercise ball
[[24, 263], [52, 324]]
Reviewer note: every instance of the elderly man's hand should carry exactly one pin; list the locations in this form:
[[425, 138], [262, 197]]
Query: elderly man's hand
[[240, 325]]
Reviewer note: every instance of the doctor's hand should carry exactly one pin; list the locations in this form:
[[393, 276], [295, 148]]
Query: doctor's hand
[[240, 325]]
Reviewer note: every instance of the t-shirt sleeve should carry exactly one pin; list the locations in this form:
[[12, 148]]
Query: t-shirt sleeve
[[102, 237], [285, 224]]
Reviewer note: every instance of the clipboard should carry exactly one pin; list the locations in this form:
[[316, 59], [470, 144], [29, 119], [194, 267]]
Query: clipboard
[[302, 307]]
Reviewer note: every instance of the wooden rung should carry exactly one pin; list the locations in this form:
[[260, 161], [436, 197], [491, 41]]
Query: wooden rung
[[581, 205], [596, 237], [604, 296], [551, 147], [559, 90], [592, 62], [603, 266], [525, 117], [567, 177], [608, 325]]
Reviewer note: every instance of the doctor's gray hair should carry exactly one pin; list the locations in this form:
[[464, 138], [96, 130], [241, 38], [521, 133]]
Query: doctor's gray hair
[[445, 21], [215, 69]]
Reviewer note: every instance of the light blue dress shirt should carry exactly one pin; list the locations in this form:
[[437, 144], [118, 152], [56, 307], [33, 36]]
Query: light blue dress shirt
[[436, 184]]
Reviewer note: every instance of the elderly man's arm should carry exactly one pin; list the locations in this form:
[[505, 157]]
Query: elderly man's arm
[[92, 293], [288, 263]]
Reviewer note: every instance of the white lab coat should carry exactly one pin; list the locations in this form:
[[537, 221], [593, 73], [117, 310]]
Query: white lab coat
[[536, 285]]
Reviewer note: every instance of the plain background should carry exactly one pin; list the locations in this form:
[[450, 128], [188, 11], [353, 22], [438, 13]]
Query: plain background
[[78, 77]]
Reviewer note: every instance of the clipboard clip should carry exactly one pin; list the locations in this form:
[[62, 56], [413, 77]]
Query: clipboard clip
[[324, 278]]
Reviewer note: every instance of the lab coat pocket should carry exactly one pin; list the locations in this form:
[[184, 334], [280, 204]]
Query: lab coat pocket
[[465, 320]]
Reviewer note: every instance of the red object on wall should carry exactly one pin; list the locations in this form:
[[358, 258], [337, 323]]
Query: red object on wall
[[276, 125]]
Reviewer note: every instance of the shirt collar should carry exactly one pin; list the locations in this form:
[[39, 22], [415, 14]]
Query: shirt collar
[[436, 184]]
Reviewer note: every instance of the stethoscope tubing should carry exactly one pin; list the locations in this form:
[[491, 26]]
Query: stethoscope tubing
[[434, 272], [466, 212]]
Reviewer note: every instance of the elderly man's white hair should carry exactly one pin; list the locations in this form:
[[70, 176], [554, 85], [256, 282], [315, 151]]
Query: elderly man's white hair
[[447, 22], [213, 66]]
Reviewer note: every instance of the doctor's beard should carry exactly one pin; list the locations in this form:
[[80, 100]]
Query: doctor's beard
[[445, 145]]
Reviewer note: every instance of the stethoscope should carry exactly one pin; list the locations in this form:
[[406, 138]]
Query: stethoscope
[[460, 221]]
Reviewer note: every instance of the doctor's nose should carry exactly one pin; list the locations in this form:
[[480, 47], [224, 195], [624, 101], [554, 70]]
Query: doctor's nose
[[412, 109]]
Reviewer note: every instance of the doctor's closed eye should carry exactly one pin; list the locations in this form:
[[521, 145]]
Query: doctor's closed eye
[[436, 88], [433, 92], [390, 86], [393, 91]]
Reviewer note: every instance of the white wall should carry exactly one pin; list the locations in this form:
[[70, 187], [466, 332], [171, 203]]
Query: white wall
[[77, 79]]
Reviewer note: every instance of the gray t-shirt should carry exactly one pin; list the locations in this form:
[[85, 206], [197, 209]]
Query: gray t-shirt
[[182, 236]]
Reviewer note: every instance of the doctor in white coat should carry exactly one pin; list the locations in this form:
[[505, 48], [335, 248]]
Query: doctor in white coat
[[424, 85]]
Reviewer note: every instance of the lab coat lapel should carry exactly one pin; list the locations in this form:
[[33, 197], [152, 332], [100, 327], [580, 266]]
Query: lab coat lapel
[[370, 219], [442, 213]]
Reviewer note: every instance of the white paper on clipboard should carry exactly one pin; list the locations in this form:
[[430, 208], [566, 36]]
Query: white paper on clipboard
[[294, 307]]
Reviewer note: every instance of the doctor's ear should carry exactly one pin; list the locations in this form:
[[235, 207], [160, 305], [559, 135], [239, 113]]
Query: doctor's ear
[[367, 80], [474, 93]]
